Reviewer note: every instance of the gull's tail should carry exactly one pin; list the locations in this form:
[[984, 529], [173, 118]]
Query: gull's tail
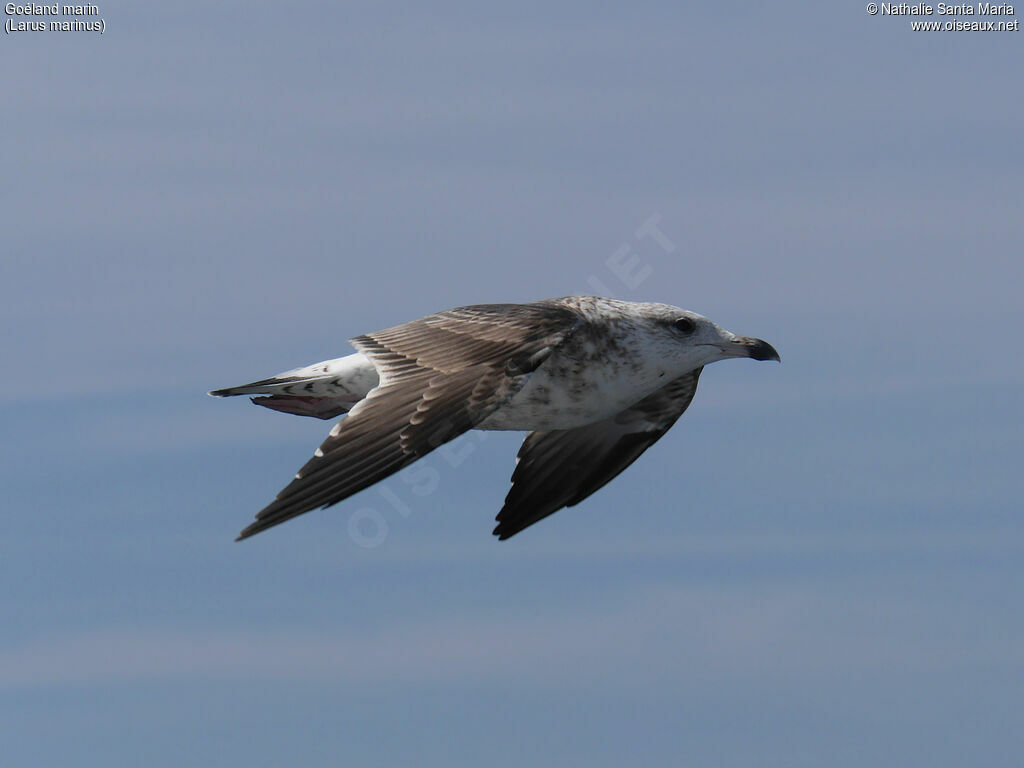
[[322, 390]]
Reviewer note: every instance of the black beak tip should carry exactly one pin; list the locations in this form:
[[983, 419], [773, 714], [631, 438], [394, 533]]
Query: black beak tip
[[762, 350]]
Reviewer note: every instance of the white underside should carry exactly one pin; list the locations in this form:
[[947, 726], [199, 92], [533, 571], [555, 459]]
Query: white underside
[[549, 401]]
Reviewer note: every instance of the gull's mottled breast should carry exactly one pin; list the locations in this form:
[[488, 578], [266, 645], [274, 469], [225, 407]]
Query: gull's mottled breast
[[606, 366]]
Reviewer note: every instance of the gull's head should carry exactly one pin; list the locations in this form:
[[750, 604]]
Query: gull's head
[[686, 340]]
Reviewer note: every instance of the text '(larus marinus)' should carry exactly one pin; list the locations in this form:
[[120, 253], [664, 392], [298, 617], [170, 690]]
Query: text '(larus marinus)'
[[594, 381]]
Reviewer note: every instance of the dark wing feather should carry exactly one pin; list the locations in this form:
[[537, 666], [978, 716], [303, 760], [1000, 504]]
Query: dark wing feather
[[439, 376], [563, 467], [317, 407]]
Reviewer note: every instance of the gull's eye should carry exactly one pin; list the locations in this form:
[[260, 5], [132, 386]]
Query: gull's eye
[[685, 325]]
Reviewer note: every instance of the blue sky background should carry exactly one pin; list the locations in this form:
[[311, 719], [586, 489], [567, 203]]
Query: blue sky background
[[820, 565]]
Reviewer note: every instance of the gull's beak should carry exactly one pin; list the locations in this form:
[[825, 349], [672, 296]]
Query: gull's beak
[[748, 346]]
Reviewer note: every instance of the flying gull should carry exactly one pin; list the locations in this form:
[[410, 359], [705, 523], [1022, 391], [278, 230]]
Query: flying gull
[[594, 381]]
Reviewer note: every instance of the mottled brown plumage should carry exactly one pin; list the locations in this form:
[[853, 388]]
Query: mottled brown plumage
[[595, 381], [439, 376]]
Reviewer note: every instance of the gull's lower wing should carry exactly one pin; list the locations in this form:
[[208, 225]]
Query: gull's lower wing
[[563, 467], [439, 376]]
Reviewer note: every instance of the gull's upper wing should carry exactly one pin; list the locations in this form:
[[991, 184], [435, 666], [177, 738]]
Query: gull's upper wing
[[439, 376], [561, 468]]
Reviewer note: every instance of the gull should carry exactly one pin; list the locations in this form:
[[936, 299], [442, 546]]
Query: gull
[[594, 381]]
